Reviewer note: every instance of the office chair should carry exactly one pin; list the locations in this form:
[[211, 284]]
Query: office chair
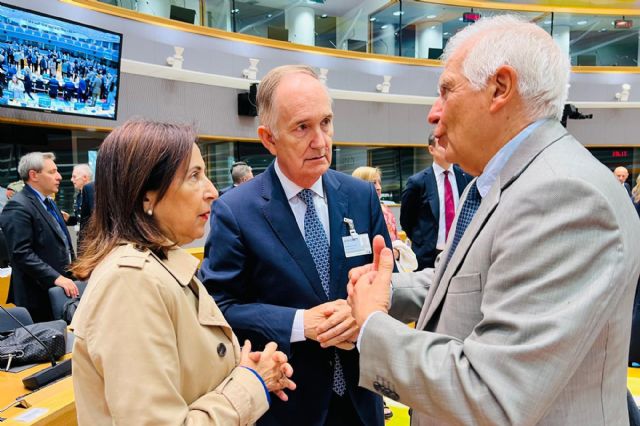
[[58, 299], [7, 323]]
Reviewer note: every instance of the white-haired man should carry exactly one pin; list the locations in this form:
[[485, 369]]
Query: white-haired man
[[82, 179], [528, 313]]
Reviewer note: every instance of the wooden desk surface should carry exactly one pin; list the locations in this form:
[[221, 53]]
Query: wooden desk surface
[[58, 400], [51, 405]]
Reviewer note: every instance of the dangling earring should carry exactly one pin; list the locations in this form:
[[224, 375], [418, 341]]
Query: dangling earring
[[149, 212]]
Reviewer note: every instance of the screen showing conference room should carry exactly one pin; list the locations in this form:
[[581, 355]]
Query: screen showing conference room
[[56, 65]]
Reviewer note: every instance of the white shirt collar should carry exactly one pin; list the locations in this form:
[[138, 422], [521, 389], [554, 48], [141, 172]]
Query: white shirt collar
[[438, 169], [291, 189]]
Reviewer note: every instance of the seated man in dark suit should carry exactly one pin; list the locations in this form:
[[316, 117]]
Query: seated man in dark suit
[[54, 85], [38, 240], [284, 242], [429, 202]]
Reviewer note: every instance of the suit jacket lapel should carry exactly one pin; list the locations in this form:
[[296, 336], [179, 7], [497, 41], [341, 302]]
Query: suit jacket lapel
[[541, 138], [279, 215], [443, 276], [338, 204], [432, 191], [45, 215], [460, 180]]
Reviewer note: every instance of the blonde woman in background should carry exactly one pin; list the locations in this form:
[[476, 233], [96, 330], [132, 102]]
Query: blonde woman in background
[[405, 258], [373, 175]]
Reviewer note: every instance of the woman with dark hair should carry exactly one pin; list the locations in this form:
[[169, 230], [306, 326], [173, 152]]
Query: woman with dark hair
[[151, 345]]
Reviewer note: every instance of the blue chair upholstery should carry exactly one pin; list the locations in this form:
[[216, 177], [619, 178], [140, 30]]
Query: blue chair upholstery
[[7, 323]]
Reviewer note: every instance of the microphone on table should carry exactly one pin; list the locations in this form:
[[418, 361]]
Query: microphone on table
[[57, 371]]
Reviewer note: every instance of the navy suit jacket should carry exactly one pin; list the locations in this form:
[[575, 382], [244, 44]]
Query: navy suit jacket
[[37, 250], [260, 271], [420, 212]]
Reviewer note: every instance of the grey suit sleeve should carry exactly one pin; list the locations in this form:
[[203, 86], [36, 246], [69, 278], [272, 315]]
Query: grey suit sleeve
[[408, 291], [556, 278]]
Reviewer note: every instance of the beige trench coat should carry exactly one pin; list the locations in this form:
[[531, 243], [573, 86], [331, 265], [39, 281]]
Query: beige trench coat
[[150, 351]]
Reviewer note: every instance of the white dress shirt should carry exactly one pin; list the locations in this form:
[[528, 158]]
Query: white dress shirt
[[299, 208]]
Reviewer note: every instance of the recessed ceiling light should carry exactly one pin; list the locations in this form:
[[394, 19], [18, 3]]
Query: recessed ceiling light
[[373, 19], [581, 22], [603, 29], [269, 15], [547, 22], [398, 13], [384, 26], [431, 16], [460, 18], [324, 15], [433, 27], [445, 34]]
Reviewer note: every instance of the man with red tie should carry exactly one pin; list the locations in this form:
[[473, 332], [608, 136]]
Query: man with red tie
[[429, 203]]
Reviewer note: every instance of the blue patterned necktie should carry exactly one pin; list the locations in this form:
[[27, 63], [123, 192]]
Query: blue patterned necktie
[[316, 239], [63, 226], [469, 209]]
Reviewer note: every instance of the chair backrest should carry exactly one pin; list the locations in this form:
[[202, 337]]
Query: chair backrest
[[58, 299], [7, 323]]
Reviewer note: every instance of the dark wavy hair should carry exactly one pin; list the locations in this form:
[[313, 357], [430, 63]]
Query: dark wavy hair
[[137, 157]]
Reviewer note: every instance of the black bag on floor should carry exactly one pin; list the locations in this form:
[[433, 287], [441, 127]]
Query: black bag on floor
[[18, 347]]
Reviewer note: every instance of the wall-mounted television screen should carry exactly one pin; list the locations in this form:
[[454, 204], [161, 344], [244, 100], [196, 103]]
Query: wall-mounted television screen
[[55, 65]]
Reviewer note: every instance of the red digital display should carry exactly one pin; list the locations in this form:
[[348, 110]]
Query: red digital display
[[620, 154], [470, 17], [623, 23]]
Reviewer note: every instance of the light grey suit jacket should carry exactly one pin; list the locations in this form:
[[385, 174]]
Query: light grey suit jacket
[[529, 322]]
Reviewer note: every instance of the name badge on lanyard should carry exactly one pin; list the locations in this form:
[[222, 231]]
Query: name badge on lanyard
[[355, 244]]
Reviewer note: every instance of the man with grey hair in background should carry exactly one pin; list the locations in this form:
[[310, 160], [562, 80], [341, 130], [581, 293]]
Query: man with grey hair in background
[[622, 174], [240, 173], [82, 179], [39, 244], [527, 315]]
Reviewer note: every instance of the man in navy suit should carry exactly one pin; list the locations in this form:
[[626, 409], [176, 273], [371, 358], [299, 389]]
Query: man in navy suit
[[280, 247], [429, 202], [39, 243]]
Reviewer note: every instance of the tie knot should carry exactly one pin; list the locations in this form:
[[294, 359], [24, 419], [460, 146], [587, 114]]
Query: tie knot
[[446, 172], [474, 194], [306, 195]]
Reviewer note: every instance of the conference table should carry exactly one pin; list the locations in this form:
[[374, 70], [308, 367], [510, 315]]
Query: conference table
[[51, 405]]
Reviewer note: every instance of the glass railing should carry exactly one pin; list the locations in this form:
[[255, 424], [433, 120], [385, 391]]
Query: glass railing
[[409, 29]]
